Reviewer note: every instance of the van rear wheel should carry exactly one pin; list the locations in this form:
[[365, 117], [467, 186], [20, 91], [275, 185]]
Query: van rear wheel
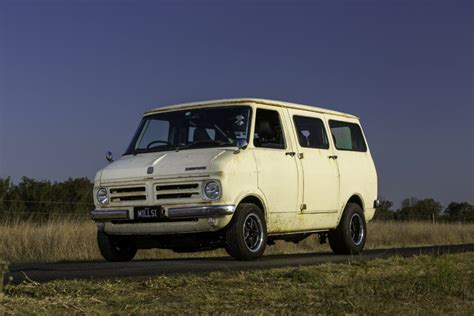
[[350, 235], [246, 237], [116, 248]]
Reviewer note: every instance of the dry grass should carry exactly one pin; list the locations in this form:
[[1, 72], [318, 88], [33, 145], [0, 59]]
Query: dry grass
[[3, 268], [54, 240], [400, 234], [70, 239]]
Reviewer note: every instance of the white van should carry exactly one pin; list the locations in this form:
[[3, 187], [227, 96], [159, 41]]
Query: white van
[[237, 174]]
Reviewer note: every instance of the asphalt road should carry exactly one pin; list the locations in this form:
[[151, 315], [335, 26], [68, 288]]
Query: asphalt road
[[44, 272]]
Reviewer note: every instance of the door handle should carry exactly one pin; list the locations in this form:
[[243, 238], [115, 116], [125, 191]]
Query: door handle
[[332, 157], [291, 153]]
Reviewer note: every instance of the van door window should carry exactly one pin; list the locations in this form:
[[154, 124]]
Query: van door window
[[347, 136], [268, 130], [311, 132]]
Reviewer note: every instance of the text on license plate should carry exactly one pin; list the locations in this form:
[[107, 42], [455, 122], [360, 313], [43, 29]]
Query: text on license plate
[[148, 213]]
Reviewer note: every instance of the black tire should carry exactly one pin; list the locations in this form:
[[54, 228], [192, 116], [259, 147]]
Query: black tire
[[116, 248], [350, 235], [246, 236]]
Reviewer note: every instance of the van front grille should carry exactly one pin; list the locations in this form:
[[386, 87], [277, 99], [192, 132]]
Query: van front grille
[[177, 191], [177, 186], [128, 194], [127, 190], [160, 193]]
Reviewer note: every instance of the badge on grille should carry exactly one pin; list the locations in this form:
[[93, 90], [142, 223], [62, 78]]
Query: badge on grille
[[149, 170]]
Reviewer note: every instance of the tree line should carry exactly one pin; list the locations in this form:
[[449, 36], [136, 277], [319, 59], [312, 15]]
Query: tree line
[[30, 196], [425, 209], [74, 196]]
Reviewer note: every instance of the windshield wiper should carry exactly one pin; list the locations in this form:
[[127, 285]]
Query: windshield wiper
[[230, 140], [220, 143]]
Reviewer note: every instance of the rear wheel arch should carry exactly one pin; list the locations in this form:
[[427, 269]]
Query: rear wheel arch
[[356, 199]]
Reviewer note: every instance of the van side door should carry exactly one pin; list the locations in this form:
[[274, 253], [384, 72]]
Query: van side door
[[276, 162], [358, 175], [319, 167]]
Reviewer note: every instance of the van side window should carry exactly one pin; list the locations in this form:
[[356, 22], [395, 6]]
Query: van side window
[[347, 136], [311, 132], [268, 130]]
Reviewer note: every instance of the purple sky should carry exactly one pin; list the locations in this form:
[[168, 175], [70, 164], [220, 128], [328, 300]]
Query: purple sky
[[75, 78]]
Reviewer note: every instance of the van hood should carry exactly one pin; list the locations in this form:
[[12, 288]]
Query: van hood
[[141, 166]]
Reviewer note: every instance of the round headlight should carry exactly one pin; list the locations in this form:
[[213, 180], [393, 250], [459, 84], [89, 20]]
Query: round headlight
[[212, 190], [102, 196]]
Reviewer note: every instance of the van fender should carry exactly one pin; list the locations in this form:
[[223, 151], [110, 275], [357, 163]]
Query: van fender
[[354, 198], [257, 193]]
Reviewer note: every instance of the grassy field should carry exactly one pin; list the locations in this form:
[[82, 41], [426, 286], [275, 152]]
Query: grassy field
[[69, 239], [435, 285]]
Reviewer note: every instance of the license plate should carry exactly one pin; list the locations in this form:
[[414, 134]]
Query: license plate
[[148, 213]]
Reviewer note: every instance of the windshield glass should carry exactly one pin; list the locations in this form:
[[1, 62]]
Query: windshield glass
[[195, 128]]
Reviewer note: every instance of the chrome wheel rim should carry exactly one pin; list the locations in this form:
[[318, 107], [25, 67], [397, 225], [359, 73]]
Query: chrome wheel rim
[[253, 232], [357, 229]]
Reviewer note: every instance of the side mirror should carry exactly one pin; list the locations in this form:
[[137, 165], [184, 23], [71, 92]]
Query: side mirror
[[241, 145], [109, 156]]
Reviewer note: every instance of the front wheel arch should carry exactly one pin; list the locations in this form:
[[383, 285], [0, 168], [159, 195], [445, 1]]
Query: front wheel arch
[[253, 199]]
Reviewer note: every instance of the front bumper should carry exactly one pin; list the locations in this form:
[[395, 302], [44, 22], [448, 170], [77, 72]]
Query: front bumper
[[201, 211], [110, 215], [171, 213]]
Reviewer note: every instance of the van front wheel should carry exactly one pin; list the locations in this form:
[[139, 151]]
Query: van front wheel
[[350, 235], [116, 248], [246, 237]]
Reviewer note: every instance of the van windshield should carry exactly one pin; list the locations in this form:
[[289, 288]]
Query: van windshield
[[189, 129]]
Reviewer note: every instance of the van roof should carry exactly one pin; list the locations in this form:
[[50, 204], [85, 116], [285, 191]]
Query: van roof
[[228, 102]]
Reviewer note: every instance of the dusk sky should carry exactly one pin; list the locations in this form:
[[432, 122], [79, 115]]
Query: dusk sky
[[76, 77]]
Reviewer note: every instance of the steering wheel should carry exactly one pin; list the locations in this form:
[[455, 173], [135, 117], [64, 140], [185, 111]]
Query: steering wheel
[[157, 142]]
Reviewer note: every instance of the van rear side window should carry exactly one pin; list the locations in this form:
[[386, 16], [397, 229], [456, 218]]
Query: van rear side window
[[311, 132], [347, 136]]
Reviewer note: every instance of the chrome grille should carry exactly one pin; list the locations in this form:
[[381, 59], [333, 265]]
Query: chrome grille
[[122, 194]]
